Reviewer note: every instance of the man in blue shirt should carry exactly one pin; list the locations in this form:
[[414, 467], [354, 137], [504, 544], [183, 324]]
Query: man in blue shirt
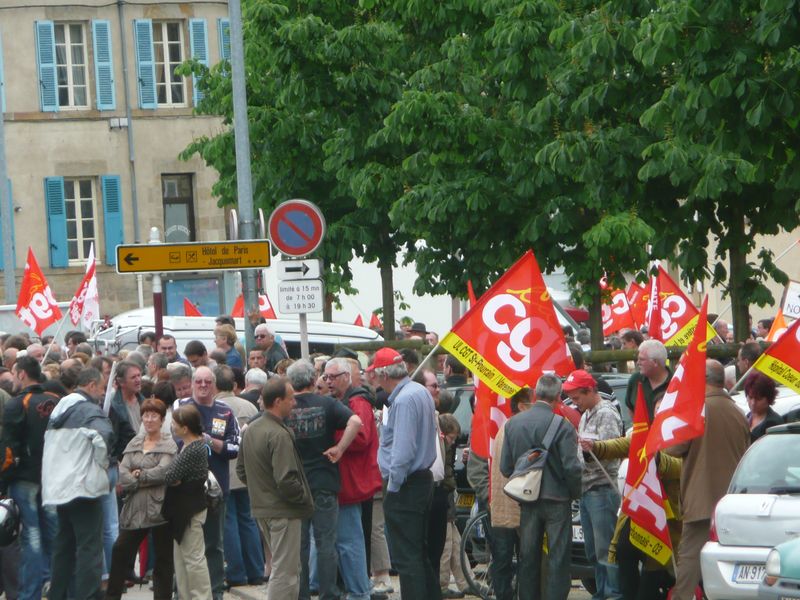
[[407, 451]]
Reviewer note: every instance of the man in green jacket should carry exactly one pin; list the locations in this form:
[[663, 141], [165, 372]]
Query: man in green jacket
[[270, 466]]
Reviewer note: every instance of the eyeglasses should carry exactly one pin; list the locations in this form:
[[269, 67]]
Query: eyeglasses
[[204, 381], [328, 377], [260, 336], [434, 386]]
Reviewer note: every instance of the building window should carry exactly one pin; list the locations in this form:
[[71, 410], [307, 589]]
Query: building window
[[178, 208], [79, 199], [168, 46], [71, 65]]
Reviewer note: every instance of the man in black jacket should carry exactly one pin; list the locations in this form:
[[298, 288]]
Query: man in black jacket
[[561, 483], [24, 424]]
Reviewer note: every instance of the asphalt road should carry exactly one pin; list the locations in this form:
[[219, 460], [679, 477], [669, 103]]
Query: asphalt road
[[259, 592]]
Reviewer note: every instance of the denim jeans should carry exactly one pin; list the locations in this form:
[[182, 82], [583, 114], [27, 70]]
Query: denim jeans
[[244, 554], [36, 538], [324, 519], [110, 519], [213, 537], [406, 512], [504, 543], [598, 519], [352, 553], [553, 517]]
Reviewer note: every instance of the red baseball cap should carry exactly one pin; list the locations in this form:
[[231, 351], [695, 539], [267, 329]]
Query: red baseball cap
[[385, 357], [578, 380]]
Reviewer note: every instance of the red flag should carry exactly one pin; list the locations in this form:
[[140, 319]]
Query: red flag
[[264, 307], [617, 315], [643, 498], [471, 293], [653, 318], [778, 328], [491, 412], [375, 322], [681, 416], [678, 314], [359, 321], [781, 360], [637, 300], [36, 305], [511, 335], [85, 304], [190, 309]]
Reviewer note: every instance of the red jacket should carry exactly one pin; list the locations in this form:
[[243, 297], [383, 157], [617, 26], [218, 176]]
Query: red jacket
[[358, 467]]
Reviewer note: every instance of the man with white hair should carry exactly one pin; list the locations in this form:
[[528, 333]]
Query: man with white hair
[[254, 382], [407, 451], [653, 373], [265, 341]]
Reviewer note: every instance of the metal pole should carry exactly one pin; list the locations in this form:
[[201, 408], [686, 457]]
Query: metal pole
[[131, 147], [244, 186], [7, 214], [303, 335], [158, 306]]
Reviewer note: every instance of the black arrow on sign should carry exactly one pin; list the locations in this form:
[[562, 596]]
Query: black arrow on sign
[[130, 259], [301, 268]]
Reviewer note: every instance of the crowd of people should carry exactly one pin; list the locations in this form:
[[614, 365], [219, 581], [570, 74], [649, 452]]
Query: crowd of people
[[331, 472]]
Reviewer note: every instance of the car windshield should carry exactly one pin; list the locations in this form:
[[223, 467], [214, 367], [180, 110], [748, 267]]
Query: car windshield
[[771, 466]]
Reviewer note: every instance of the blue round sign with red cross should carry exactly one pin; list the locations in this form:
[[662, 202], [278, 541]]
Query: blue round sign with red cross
[[296, 227]]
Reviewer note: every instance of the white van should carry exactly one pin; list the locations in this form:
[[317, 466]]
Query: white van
[[322, 337]]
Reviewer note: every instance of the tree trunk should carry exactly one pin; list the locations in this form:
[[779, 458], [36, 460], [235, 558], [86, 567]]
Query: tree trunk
[[387, 293], [596, 321], [327, 309], [737, 260]]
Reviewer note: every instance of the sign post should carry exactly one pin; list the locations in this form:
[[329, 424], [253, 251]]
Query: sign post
[[296, 228], [158, 301]]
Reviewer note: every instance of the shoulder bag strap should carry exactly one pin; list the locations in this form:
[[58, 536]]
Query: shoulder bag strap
[[551, 431]]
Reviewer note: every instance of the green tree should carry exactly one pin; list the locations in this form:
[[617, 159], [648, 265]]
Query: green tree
[[317, 88], [727, 136]]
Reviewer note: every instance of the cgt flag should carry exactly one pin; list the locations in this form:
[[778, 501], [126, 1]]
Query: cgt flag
[[36, 305], [778, 328], [617, 315], [643, 498], [637, 300], [781, 360], [511, 335], [85, 304], [681, 415], [678, 315]]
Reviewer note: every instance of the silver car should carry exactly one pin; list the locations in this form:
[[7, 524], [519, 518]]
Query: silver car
[[760, 510]]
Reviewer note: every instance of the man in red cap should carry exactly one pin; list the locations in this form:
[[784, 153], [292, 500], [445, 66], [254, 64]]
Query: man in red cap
[[599, 496], [407, 451]]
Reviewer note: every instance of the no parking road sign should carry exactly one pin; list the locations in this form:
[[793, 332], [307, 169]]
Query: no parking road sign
[[296, 227]]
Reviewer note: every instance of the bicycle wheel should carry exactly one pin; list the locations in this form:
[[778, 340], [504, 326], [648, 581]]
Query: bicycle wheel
[[476, 556]]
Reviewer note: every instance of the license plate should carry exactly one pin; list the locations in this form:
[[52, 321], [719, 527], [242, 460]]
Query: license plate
[[577, 533], [748, 573], [465, 500]]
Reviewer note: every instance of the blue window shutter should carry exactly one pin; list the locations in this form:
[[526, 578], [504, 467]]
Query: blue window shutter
[[112, 216], [103, 65], [56, 221], [198, 42], [2, 81], [145, 63], [46, 63], [224, 30], [10, 213]]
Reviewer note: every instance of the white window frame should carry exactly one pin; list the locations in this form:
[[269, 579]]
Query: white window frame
[[79, 217], [164, 68], [66, 25]]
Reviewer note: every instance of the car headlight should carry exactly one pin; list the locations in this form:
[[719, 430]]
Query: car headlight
[[773, 567]]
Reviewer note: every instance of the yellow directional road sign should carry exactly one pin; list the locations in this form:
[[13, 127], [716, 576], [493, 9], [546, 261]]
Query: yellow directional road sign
[[195, 256]]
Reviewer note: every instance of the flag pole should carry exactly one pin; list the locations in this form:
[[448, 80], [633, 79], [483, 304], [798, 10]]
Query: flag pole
[[739, 383], [423, 361], [608, 477], [110, 391], [55, 338]]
